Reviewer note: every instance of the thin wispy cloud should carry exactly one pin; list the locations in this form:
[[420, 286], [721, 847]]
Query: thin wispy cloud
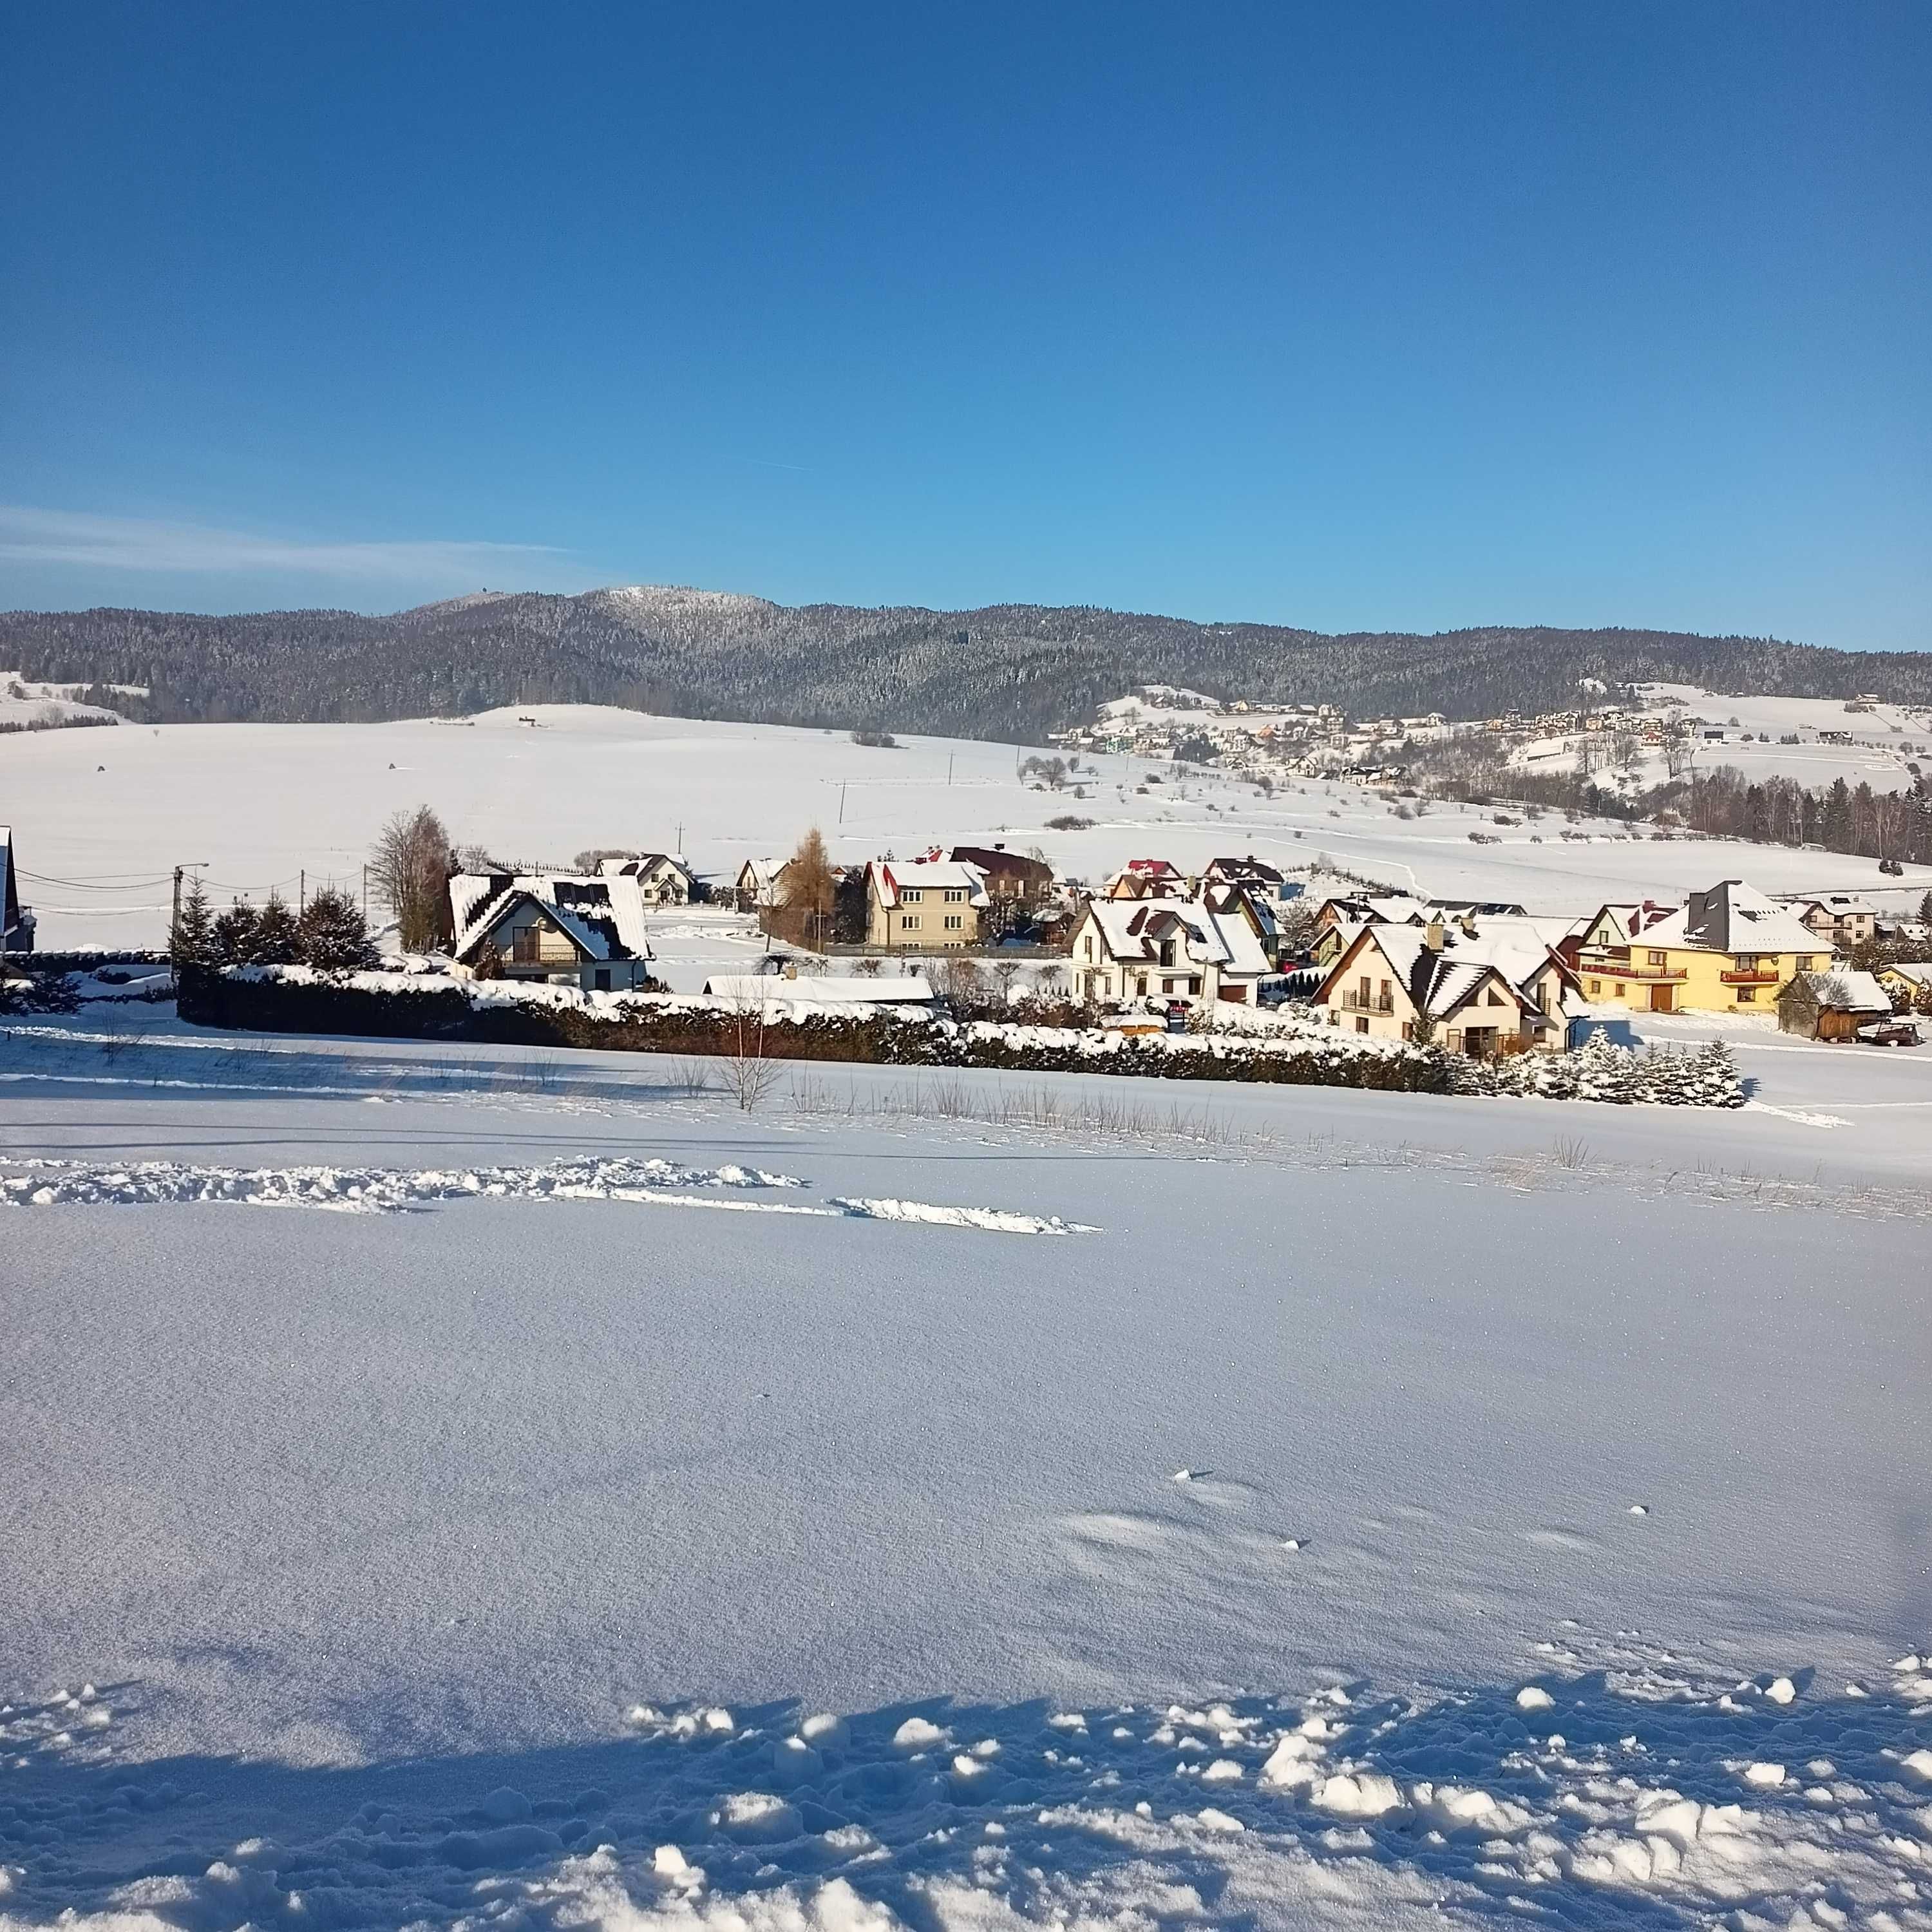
[[77, 538]]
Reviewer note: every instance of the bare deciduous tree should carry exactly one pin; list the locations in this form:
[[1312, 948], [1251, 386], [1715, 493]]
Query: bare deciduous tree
[[409, 865]]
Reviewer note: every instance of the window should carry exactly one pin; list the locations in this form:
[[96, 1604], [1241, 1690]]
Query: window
[[1596, 986], [1407, 1030], [1087, 947], [1617, 989], [1495, 999], [600, 980], [1747, 995], [1140, 986], [1362, 1023], [955, 894], [908, 922], [1806, 964], [954, 921], [1659, 958], [913, 895], [1194, 983]]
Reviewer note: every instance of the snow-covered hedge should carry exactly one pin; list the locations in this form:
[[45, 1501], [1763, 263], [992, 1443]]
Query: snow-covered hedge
[[1290, 1048], [293, 999]]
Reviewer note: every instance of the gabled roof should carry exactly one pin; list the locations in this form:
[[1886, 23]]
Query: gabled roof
[[1132, 930], [10, 893], [997, 859], [1514, 952], [1839, 905], [1913, 972], [602, 915], [1235, 870], [888, 878], [1845, 992], [1732, 917]]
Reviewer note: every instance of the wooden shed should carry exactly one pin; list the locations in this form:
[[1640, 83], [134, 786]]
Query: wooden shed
[[1832, 1005]]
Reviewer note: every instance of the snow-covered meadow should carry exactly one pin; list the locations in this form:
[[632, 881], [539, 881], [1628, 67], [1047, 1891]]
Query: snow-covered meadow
[[101, 818], [958, 1501]]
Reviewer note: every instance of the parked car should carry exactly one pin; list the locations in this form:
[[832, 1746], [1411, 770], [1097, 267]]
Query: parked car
[[1891, 868], [1890, 1032]]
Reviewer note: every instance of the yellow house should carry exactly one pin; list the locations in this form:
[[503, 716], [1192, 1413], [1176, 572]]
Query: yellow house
[[927, 904], [1728, 950]]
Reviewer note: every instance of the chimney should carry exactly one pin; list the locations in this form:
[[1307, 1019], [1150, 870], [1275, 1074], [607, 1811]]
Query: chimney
[[1468, 923], [1433, 935], [1000, 845]]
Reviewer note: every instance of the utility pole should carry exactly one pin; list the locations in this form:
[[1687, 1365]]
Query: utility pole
[[302, 894], [365, 893], [949, 767], [841, 802]]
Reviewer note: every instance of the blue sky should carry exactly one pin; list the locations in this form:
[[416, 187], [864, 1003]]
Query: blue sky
[[1357, 317]]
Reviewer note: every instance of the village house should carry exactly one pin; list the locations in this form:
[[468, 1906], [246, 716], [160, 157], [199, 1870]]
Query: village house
[[661, 879], [759, 884], [1726, 950], [1166, 948], [1252, 874], [1009, 875], [1841, 919], [17, 921], [1147, 879], [1480, 988], [1908, 982], [927, 904], [1832, 1005], [560, 929]]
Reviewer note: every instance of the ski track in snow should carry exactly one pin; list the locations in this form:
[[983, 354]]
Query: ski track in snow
[[369, 1190], [1619, 1788]]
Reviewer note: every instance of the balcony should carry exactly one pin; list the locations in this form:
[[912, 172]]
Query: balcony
[[1753, 976], [1630, 969], [1355, 1003]]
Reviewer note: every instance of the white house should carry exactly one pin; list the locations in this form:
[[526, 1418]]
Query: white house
[[1479, 987], [662, 880], [1167, 948], [566, 930]]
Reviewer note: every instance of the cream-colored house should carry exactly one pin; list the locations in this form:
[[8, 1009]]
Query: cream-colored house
[[923, 905], [662, 880], [565, 930], [1727, 950], [1483, 986], [1167, 948], [1842, 919]]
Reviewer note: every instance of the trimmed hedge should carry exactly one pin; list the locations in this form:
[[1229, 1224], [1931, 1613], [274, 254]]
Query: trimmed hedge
[[277, 1005]]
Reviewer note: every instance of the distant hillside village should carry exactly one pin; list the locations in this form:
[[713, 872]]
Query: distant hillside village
[[983, 931], [1601, 733]]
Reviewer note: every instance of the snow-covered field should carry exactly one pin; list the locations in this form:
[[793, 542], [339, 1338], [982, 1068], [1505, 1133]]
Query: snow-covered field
[[99, 818], [960, 1502]]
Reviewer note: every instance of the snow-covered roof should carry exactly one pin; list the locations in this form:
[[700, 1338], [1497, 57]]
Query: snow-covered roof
[[603, 914], [1733, 917], [1840, 905], [1846, 992], [847, 990], [1132, 930], [1914, 972], [646, 866], [1439, 983], [889, 877]]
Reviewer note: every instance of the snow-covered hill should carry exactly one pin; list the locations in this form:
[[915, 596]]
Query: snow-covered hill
[[100, 819]]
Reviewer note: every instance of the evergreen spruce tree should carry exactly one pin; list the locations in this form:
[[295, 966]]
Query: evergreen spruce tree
[[234, 935], [1604, 1071], [1717, 1081], [191, 941], [330, 935], [277, 941]]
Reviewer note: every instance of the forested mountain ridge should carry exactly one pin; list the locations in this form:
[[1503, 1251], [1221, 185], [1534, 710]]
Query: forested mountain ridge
[[1008, 671]]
